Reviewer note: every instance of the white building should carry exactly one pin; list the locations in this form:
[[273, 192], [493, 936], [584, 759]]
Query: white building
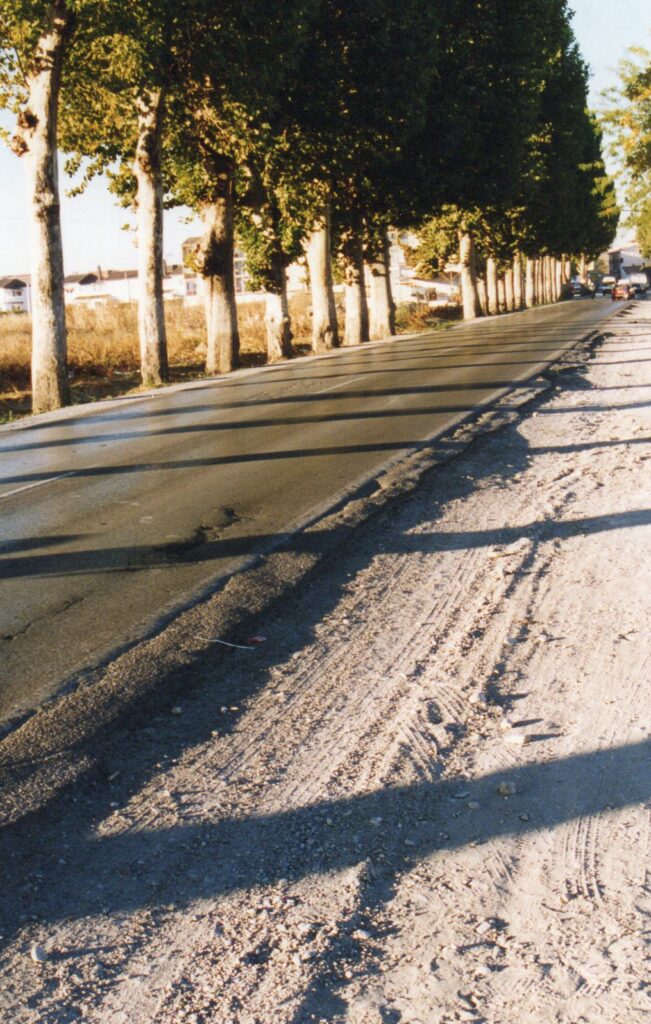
[[15, 294], [104, 287], [626, 260]]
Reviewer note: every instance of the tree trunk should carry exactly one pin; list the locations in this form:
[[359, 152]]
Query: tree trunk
[[483, 297], [491, 286], [518, 299], [558, 280], [530, 283], [36, 139], [149, 177], [501, 294], [540, 281], [356, 330], [382, 309], [276, 314], [583, 269], [543, 280], [325, 332], [567, 269], [469, 292], [215, 264], [549, 276], [509, 300]]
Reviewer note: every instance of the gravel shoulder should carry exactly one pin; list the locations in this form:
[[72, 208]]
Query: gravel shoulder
[[418, 792]]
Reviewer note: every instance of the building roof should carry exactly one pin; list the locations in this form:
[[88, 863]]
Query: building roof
[[13, 282], [119, 275], [116, 275], [80, 279]]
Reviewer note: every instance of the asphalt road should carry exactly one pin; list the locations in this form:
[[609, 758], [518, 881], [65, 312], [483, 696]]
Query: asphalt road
[[114, 516]]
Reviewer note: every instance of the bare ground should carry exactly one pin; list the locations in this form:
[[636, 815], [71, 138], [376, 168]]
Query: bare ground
[[422, 797]]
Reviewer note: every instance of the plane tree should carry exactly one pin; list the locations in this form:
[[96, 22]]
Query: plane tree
[[114, 115], [482, 110], [229, 159], [567, 202], [358, 95], [377, 169], [35, 43], [626, 118]]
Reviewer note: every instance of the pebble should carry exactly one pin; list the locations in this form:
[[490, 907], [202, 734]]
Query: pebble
[[473, 805], [376, 821], [515, 739], [506, 789], [361, 933], [483, 927], [524, 817], [463, 794], [38, 954], [176, 710]]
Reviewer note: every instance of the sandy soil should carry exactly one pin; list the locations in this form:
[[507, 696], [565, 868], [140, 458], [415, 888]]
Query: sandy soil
[[422, 797]]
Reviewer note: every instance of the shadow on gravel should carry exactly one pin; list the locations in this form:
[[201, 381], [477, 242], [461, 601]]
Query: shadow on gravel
[[387, 832], [58, 866], [141, 559]]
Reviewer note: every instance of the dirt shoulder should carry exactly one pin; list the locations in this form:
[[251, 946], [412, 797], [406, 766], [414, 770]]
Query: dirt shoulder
[[420, 794]]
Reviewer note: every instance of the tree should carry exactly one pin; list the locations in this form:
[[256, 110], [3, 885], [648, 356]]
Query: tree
[[567, 201], [627, 120], [482, 110], [113, 119], [226, 152], [34, 42], [643, 224], [124, 99], [359, 128]]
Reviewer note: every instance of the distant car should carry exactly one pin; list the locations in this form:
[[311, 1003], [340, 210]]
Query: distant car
[[607, 285], [639, 283], [442, 296], [622, 290], [579, 288]]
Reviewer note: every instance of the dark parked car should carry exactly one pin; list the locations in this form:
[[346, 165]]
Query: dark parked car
[[622, 290]]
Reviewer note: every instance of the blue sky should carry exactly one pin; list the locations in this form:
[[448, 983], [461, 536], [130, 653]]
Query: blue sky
[[91, 223]]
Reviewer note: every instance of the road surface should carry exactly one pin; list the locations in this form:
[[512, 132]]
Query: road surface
[[114, 517]]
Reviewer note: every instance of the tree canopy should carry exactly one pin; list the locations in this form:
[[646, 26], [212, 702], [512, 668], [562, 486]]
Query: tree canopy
[[464, 119], [627, 120]]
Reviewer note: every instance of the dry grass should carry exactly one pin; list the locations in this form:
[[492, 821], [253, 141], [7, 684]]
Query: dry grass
[[103, 347]]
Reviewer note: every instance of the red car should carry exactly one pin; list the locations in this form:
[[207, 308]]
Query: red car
[[622, 290]]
